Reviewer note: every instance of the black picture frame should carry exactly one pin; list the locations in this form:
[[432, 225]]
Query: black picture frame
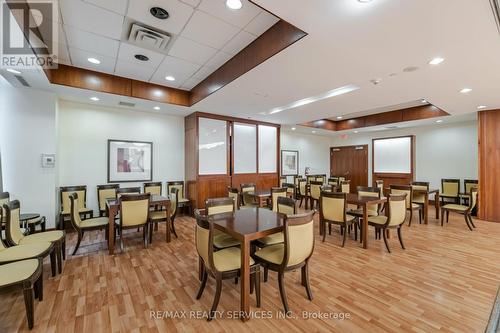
[[148, 174], [286, 172]]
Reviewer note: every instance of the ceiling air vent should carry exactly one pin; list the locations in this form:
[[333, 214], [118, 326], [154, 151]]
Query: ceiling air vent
[[148, 38], [22, 80], [128, 104], [495, 6]]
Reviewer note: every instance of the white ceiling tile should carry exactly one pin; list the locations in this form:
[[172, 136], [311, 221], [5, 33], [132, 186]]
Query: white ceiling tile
[[117, 6], [239, 42], [193, 3], [179, 14], [208, 30], [85, 16], [63, 53], [261, 23], [128, 51], [203, 72], [160, 79], [176, 67], [133, 70], [239, 18], [79, 59], [190, 83], [218, 60], [191, 51], [91, 42]]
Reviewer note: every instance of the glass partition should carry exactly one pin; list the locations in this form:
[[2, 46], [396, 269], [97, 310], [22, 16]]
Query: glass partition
[[245, 148], [268, 149], [212, 158]]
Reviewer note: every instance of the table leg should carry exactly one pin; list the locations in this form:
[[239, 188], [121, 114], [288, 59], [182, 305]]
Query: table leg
[[426, 208], [436, 204], [245, 280], [365, 227], [111, 230], [169, 224]]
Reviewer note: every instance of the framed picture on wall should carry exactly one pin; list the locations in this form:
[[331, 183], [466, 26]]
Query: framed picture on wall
[[289, 162], [129, 161]]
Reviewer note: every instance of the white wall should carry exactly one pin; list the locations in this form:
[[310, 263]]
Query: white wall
[[27, 130], [84, 129], [314, 151], [442, 151]]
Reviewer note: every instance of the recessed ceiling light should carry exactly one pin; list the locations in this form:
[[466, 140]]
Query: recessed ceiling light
[[234, 4], [466, 90], [169, 78], [13, 71], [94, 61], [293, 128], [141, 57], [439, 121], [424, 101], [95, 99], [356, 132], [313, 132], [339, 117], [332, 93], [365, 1], [436, 61], [480, 107], [156, 108], [159, 13]]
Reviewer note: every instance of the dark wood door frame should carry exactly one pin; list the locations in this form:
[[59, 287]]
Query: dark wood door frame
[[363, 179]]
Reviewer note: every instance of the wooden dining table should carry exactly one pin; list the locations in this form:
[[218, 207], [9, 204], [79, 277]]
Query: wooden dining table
[[261, 196], [113, 207], [247, 225]]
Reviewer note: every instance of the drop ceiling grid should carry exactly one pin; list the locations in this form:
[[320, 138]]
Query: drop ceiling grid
[[79, 40]]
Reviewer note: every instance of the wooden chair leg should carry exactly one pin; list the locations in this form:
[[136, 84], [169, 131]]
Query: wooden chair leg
[[467, 222], [266, 273], [80, 236], [39, 287], [64, 248], [442, 217], [281, 283], [257, 287], [53, 262], [447, 216], [173, 228], [329, 229], [218, 289], [470, 220], [324, 231], [252, 283], [345, 236], [356, 231], [28, 302], [203, 284], [384, 234], [58, 249], [400, 238], [305, 278]]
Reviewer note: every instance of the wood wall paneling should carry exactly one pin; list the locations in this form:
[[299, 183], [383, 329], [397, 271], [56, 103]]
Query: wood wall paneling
[[154, 92], [489, 162]]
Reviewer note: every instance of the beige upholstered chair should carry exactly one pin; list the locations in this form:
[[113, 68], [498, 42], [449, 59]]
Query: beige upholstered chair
[[468, 185], [220, 207], [396, 216], [248, 200], [223, 264], [127, 190], [310, 178], [302, 190], [105, 192], [15, 236], [154, 188], [419, 198], [372, 210], [159, 216], [28, 251], [345, 186], [277, 192], [183, 201], [4, 198], [333, 210], [292, 254], [64, 212], [285, 206], [334, 181], [290, 190], [320, 178], [282, 181], [315, 192], [380, 184], [466, 211], [450, 189], [296, 179], [410, 205], [232, 192], [134, 213], [26, 274], [328, 188], [80, 226]]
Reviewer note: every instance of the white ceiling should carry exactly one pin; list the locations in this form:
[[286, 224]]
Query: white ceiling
[[205, 34]]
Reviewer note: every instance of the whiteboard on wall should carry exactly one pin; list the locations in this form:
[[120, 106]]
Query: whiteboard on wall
[[268, 148], [212, 156], [392, 155], [245, 148]]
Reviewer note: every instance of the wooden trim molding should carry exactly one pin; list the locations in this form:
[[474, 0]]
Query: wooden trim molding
[[390, 117]]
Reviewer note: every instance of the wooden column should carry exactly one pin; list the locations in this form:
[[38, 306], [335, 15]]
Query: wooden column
[[489, 165]]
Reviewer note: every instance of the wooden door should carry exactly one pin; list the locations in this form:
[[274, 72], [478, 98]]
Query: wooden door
[[352, 163]]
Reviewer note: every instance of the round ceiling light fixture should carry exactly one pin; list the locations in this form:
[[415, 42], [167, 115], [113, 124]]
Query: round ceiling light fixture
[[141, 57], [365, 1], [159, 13], [94, 61], [234, 4], [169, 78]]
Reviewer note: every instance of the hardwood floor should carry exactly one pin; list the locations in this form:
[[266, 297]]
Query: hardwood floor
[[446, 280]]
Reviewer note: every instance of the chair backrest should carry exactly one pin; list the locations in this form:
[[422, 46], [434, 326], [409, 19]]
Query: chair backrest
[[178, 184], [342, 179], [380, 184], [469, 184], [315, 189], [302, 186], [277, 192], [174, 201], [203, 240], [328, 188], [153, 187], [4, 198], [450, 187], [396, 210], [375, 192], [64, 193], [75, 215], [345, 186], [419, 186], [134, 209], [310, 178], [219, 206], [13, 231], [233, 192], [248, 187], [299, 238], [332, 206], [333, 181], [473, 196], [321, 178], [107, 191], [296, 180], [406, 190], [282, 181], [127, 190], [286, 206], [290, 188]]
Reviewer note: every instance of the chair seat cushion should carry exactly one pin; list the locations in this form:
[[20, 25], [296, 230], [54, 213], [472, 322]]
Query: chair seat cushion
[[415, 206], [158, 215], [183, 200], [20, 252], [17, 271], [82, 210], [359, 212], [35, 221], [46, 236], [223, 240], [378, 219], [272, 239], [459, 208], [419, 200], [94, 223], [229, 259], [273, 253]]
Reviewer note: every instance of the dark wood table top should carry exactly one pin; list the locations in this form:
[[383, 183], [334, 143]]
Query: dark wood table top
[[251, 223], [356, 199], [260, 193], [28, 216], [155, 200]]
